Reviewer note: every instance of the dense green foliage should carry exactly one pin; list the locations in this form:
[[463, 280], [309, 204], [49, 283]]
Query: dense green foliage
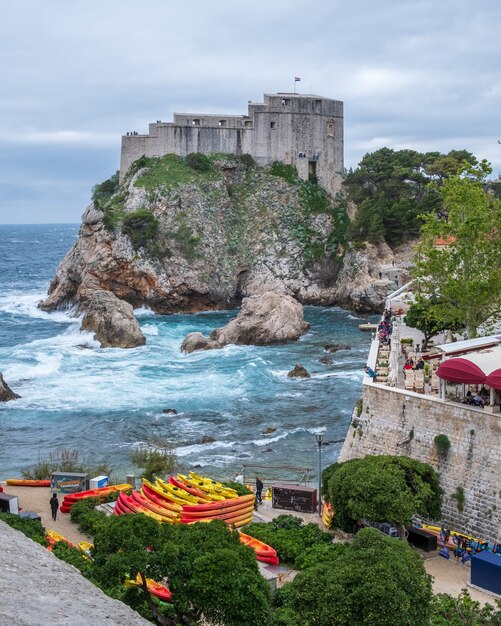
[[285, 171], [198, 161], [29, 527], [141, 226], [89, 521], [382, 489], [209, 571], [465, 274], [292, 539], [463, 611], [391, 190], [242, 490], [424, 314], [375, 580]]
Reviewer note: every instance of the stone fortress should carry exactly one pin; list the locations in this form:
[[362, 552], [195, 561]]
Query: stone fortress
[[301, 130]]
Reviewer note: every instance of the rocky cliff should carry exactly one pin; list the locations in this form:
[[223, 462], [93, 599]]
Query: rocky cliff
[[183, 235]]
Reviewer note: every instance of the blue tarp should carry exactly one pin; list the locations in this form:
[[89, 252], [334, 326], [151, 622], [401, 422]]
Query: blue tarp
[[486, 571]]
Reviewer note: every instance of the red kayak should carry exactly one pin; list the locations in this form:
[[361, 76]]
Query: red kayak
[[220, 504], [193, 490], [156, 508], [221, 514], [95, 493]]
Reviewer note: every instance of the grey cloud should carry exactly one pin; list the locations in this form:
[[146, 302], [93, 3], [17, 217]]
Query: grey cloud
[[75, 76]]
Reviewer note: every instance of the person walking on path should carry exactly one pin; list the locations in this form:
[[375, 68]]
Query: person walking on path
[[54, 505], [259, 490]]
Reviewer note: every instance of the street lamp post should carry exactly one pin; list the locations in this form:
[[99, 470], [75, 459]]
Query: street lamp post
[[319, 438]]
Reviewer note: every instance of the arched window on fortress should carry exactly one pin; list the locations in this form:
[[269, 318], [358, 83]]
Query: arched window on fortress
[[330, 128]]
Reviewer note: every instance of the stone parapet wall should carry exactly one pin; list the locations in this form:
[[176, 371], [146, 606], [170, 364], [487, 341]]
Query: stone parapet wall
[[405, 423]]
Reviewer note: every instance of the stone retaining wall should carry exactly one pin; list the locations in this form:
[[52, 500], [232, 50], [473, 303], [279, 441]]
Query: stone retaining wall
[[397, 422]]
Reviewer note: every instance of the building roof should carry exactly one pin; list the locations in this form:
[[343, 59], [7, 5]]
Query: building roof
[[461, 347]]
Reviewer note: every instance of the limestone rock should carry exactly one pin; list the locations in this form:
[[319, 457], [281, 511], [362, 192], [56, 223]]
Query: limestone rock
[[204, 257], [335, 347], [197, 341], [263, 320], [58, 594], [325, 360], [207, 439], [112, 320], [6, 392], [269, 430], [299, 371], [169, 411]]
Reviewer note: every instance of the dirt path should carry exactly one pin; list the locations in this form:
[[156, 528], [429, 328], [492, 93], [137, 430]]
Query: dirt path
[[36, 499]]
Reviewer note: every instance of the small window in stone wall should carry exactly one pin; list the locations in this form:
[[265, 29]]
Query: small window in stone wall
[[222, 122], [286, 102], [318, 106], [247, 123], [195, 122], [273, 124], [330, 129]]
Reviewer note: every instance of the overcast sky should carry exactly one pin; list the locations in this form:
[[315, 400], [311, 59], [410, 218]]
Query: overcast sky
[[76, 75]]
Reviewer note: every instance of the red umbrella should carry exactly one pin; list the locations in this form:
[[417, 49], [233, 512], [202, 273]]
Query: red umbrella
[[459, 370], [494, 379]]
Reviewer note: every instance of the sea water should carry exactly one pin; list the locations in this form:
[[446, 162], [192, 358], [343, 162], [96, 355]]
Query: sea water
[[106, 402]]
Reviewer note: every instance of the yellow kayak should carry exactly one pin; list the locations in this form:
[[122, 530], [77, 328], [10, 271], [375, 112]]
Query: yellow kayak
[[85, 547], [183, 495], [213, 485], [197, 484], [454, 533]]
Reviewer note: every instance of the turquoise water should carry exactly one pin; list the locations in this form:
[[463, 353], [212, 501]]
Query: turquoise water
[[106, 401]]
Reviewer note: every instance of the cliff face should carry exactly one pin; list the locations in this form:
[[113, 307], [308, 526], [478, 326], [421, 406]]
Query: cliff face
[[180, 238]]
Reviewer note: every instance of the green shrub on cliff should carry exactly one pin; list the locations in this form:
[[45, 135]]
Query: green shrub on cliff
[[198, 161], [285, 171], [141, 226], [102, 192]]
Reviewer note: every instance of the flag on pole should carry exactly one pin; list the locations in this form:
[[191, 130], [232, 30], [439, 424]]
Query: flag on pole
[[296, 79]]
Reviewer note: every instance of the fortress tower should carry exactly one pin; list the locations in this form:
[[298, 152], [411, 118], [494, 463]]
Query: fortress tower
[[302, 130]]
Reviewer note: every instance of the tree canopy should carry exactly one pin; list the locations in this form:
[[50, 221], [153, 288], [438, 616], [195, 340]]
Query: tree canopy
[[425, 314], [391, 190], [382, 489], [463, 273], [375, 580]]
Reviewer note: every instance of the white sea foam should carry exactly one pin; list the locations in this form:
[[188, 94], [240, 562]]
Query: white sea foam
[[203, 447], [26, 305], [150, 329]]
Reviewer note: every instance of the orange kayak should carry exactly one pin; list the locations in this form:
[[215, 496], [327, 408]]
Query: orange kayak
[[263, 551], [156, 508], [21, 482], [95, 493]]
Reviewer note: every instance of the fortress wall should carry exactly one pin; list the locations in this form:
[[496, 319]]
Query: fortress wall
[[281, 129], [405, 423]]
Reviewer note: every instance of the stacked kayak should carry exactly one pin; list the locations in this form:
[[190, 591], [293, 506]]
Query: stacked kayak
[[263, 551], [21, 482], [102, 492], [162, 592], [186, 500]]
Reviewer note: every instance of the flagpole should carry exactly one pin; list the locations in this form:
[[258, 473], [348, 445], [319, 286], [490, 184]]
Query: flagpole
[[295, 81]]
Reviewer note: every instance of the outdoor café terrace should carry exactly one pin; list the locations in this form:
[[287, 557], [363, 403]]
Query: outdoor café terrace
[[459, 371]]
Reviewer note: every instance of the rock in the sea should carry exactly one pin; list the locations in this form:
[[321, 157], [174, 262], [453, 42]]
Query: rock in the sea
[[197, 341], [299, 372], [335, 347], [169, 411], [111, 319], [325, 360], [6, 392], [207, 439], [263, 320], [269, 430]]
